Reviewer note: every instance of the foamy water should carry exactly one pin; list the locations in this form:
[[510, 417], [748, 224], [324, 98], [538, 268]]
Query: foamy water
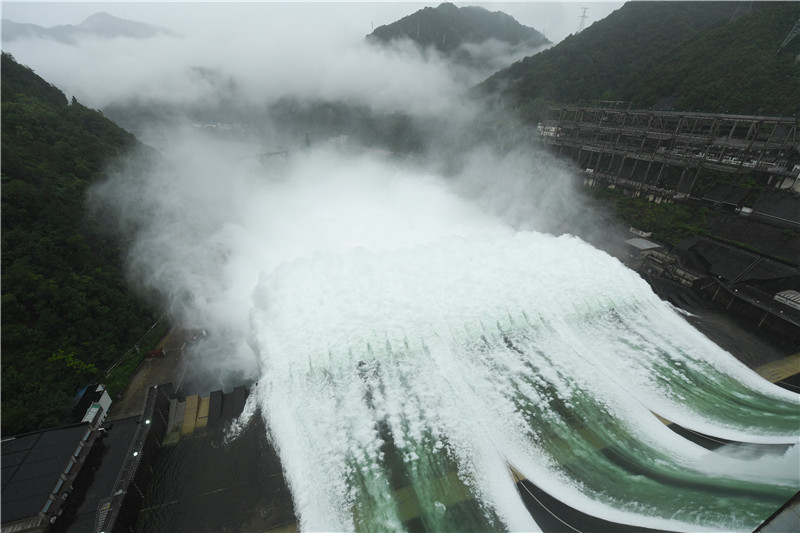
[[449, 360], [409, 347]]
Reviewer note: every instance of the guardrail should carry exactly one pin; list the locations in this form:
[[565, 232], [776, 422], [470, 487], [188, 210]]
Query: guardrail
[[122, 502]]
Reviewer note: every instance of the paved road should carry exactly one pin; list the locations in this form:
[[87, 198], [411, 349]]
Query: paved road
[[152, 371]]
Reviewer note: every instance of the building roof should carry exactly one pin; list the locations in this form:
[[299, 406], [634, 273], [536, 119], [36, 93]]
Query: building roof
[[32, 465], [778, 204], [726, 194], [733, 264], [642, 244]]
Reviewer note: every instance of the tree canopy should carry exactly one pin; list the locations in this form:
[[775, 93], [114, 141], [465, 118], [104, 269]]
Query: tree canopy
[[690, 56], [65, 309], [446, 27]]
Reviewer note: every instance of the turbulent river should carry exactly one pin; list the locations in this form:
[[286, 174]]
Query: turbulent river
[[412, 346]]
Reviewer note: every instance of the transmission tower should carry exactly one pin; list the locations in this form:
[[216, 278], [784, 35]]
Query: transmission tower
[[742, 8], [792, 34], [583, 18]]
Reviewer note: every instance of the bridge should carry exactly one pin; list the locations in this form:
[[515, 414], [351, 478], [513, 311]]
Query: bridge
[[664, 153]]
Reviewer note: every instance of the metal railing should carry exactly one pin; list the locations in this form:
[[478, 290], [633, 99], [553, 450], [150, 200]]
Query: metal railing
[[108, 508]]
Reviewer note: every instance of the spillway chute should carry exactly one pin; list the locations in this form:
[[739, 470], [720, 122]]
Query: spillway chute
[[399, 377]]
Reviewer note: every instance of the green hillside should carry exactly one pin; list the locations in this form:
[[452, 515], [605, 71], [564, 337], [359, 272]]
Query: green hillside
[[733, 68], [65, 311], [704, 56], [446, 27]]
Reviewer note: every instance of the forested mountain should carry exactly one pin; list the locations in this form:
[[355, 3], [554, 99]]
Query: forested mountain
[[448, 27], [65, 311], [99, 25], [703, 56]]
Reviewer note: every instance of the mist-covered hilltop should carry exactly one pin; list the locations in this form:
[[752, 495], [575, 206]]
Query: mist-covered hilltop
[[66, 310], [100, 25], [470, 35], [696, 56], [402, 75], [447, 27]]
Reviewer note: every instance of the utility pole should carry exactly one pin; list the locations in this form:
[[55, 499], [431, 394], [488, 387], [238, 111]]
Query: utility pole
[[583, 18]]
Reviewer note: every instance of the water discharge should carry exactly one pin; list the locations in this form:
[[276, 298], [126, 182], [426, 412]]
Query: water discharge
[[409, 347], [398, 385], [387, 372]]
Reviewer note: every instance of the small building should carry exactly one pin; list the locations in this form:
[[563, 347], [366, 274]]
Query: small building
[[639, 245], [93, 401]]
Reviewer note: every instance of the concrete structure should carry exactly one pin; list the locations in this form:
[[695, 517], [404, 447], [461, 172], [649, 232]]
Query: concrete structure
[[120, 509], [780, 370], [662, 154], [196, 415], [164, 421], [787, 518], [740, 281], [223, 483]]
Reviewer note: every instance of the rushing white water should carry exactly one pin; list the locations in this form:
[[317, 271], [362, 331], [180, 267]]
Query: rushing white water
[[389, 374], [411, 346]]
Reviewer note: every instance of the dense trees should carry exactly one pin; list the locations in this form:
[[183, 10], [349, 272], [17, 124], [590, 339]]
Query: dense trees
[[446, 27], [736, 67], [693, 56], [65, 309]]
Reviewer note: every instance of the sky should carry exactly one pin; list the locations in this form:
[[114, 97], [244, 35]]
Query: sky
[[556, 20]]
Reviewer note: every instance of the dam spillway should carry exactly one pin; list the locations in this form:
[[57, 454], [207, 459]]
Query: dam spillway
[[407, 344], [521, 348]]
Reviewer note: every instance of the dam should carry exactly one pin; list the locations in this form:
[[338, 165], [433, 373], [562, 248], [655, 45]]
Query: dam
[[405, 345], [467, 373], [203, 481], [669, 155]]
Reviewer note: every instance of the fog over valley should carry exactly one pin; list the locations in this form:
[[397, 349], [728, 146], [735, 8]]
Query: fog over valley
[[267, 49], [383, 147]]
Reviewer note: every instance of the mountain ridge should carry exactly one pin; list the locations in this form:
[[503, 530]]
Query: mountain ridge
[[99, 25], [447, 27]]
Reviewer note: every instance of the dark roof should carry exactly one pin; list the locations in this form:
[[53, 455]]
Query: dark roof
[[780, 205], [723, 261], [32, 464], [730, 263], [726, 194]]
